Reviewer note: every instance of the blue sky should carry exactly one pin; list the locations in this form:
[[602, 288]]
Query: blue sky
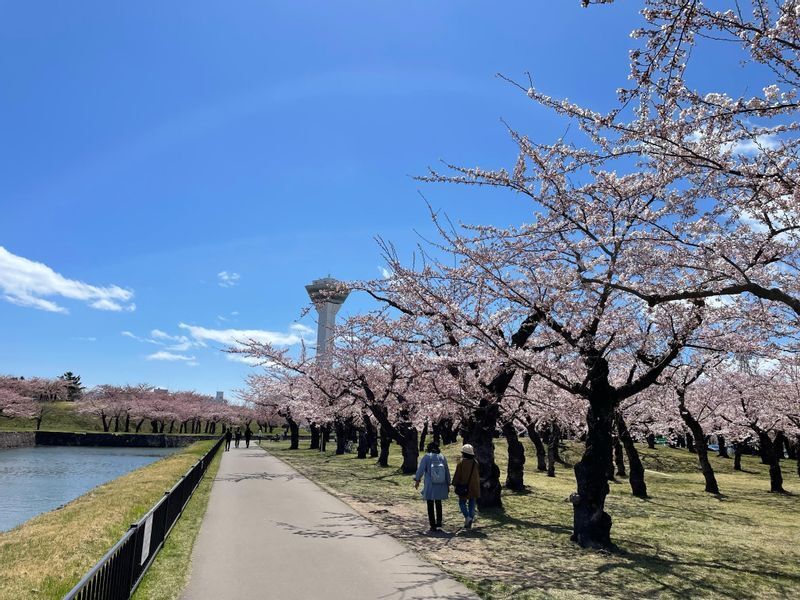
[[148, 147]]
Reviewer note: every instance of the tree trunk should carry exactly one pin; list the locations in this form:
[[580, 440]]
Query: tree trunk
[[591, 524], [422, 437], [552, 449], [127, 422], [636, 478], [723, 447], [791, 448], [770, 454], [737, 456], [325, 436], [363, 444], [619, 458], [106, 423], [515, 476], [409, 447], [797, 447], [479, 431], [372, 437], [341, 437], [536, 439], [702, 448], [386, 442], [780, 442], [116, 423], [690, 443], [651, 441], [294, 429], [314, 436], [437, 433]]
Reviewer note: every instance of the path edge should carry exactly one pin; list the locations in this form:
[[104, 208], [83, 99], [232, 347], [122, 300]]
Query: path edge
[[467, 583]]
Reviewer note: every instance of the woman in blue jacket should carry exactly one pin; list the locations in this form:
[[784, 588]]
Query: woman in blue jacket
[[433, 467]]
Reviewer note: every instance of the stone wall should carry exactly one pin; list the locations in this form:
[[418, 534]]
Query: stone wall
[[17, 439], [130, 440]]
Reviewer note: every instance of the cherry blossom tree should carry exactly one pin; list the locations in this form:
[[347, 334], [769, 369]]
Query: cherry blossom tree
[[15, 400]]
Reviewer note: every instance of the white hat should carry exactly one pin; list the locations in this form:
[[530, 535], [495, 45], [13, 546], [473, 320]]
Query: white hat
[[467, 449]]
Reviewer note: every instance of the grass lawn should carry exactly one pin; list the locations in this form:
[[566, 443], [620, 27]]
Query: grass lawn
[[46, 556], [167, 576], [59, 416], [679, 543]]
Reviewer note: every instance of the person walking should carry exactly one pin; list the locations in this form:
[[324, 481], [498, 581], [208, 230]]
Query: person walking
[[436, 473], [247, 435], [467, 484], [228, 436], [238, 436]]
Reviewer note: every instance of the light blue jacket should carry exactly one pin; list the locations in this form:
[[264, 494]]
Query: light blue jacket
[[433, 491]]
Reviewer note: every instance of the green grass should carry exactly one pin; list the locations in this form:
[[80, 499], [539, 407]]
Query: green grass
[[679, 543], [169, 572], [45, 556], [59, 416]]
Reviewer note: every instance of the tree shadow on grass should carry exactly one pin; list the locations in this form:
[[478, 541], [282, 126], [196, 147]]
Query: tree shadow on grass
[[385, 477], [673, 574], [493, 519]]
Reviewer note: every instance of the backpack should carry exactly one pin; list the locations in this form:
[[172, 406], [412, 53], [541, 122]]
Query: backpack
[[438, 469]]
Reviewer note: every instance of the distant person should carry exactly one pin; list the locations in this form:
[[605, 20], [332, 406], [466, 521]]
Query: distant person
[[467, 484], [433, 467], [247, 435], [228, 436], [238, 436]]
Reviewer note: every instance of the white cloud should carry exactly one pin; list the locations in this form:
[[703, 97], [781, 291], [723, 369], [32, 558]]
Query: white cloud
[[106, 304], [755, 146], [225, 279], [230, 337], [133, 336], [28, 283], [177, 343], [85, 339], [385, 273], [169, 356], [303, 330]]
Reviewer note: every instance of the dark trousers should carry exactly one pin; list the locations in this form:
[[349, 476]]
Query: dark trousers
[[437, 521], [227, 444]]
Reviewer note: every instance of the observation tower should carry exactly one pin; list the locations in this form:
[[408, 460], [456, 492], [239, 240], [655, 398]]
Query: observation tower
[[328, 295]]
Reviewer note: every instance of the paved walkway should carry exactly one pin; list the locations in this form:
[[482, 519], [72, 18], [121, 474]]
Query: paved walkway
[[271, 533]]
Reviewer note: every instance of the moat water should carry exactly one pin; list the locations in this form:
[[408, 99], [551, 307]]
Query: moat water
[[38, 480]]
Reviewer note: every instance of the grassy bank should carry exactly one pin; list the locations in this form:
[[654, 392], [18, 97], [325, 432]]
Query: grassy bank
[[59, 416], [681, 542], [46, 556], [169, 573]]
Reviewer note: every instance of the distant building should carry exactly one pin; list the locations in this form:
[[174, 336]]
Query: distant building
[[161, 390], [219, 397]]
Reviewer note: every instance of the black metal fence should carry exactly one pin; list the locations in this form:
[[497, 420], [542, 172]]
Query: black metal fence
[[119, 572]]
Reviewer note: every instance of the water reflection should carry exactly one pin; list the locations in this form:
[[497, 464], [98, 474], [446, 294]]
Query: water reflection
[[37, 480]]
